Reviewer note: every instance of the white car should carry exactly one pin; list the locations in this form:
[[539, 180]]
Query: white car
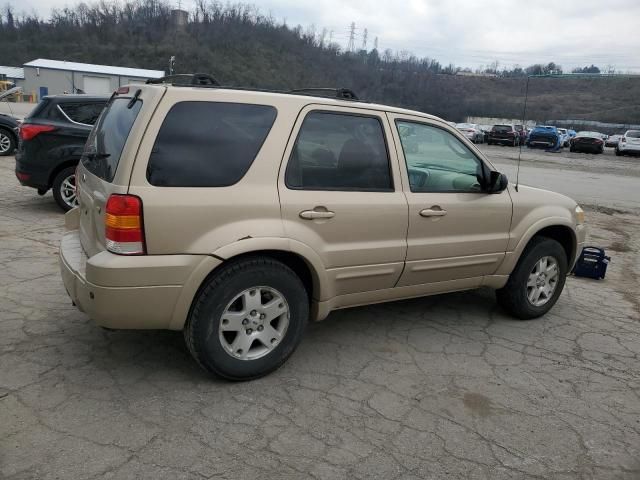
[[472, 131], [564, 137], [629, 143]]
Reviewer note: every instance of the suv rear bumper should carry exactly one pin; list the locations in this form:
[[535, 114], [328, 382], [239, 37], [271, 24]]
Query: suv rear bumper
[[158, 292]]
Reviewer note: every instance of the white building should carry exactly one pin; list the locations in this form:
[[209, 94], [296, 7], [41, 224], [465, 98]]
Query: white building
[[51, 77]]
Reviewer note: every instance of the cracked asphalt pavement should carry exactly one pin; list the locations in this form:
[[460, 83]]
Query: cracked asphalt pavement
[[439, 387]]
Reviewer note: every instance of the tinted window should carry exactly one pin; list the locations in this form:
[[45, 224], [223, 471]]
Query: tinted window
[[107, 139], [86, 113], [501, 128], [339, 152], [633, 134], [437, 161], [206, 144]]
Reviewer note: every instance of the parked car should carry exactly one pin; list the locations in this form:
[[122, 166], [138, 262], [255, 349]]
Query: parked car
[[472, 131], [589, 142], [629, 143], [236, 216], [504, 135], [52, 139], [544, 136], [486, 130], [8, 134], [564, 137], [612, 140]]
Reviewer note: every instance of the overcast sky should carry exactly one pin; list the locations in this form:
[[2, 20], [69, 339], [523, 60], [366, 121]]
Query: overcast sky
[[468, 32]]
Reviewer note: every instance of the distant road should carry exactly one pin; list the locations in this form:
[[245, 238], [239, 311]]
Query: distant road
[[603, 180]]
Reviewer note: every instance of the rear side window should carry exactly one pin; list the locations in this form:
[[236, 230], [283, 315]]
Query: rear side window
[[107, 139], [339, 152], [85, 113], [208, 144]]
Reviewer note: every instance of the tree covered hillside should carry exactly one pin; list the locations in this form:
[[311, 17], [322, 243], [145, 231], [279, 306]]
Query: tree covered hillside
[[241, 46]]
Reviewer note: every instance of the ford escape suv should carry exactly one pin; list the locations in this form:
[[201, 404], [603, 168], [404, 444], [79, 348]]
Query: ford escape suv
[[237, 216]]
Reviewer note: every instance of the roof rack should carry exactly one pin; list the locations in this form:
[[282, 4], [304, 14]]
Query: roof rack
[[207, 81], [187, 80], [342, 93]]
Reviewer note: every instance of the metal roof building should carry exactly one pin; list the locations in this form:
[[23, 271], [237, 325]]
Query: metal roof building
[[13, 74], [49, 77]]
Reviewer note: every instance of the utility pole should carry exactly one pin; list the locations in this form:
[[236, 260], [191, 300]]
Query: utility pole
[[364, 39], [352, 37]]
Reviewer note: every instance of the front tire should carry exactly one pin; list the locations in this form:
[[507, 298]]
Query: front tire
[[537, 281], [247, 319], [7, 143], [64, 189]]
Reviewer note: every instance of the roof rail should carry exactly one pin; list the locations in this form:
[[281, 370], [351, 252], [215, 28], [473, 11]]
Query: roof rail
[[208, 81], [343, 93], [187, 79]]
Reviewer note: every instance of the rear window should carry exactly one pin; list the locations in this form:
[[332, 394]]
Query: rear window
[[85, 113], [107, 139], [501, 128], [633, 134], [208, 144]]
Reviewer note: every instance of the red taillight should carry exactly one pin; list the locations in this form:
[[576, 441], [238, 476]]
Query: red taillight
[[23, 176], [30, 130], [623, 139], [122, 90], [124, 230]]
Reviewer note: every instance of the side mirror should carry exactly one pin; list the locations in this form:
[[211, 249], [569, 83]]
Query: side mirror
[[496, 183]]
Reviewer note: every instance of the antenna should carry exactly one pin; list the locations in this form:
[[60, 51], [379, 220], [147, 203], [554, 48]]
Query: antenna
[[524, 125]]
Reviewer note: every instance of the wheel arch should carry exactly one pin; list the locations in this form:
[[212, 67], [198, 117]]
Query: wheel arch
[[558, 229], [290, 253], [59, 167]]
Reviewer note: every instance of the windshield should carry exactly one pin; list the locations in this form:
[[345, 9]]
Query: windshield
[[106, 141]]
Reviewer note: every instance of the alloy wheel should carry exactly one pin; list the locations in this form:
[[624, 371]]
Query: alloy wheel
[[542, 281], [254, 323]]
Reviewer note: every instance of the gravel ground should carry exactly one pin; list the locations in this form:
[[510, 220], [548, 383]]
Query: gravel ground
[[440, 387]]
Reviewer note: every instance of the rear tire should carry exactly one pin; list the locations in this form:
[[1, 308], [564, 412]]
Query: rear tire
[[251, 348], [618, 153], [518, 296], [64, 191], [7, 143]]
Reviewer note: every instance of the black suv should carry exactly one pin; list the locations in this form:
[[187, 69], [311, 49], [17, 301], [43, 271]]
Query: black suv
[[52, 139], [8, 134]]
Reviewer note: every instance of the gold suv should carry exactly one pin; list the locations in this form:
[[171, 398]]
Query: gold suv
[[237, 216]]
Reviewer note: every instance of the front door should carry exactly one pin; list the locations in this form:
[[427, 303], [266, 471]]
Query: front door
[[456, 231], [341, 195]]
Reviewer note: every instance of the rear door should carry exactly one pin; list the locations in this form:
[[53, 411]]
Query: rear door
[[341, 195], [106, 163], [456, 231]]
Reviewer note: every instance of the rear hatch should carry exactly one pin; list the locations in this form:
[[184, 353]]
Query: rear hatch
[[108, 158], [501, 133]]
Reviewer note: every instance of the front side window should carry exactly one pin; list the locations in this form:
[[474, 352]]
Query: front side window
[[437, 161], [208, 144], [336, 151]]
